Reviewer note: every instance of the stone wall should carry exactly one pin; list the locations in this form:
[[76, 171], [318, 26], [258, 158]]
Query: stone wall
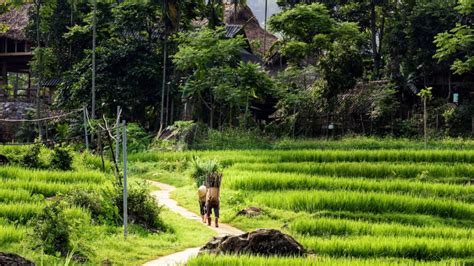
[[13, 110]]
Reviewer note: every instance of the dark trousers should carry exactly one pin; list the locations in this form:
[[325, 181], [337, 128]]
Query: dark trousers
[[202, 207], [212, 206]]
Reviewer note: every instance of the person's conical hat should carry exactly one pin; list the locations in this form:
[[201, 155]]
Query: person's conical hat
[[202, 190]]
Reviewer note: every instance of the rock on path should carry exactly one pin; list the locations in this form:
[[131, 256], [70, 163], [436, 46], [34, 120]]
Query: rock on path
[[179, 258]]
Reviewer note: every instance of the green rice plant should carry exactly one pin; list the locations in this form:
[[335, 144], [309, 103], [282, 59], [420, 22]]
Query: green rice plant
[[314, 201], [11, 234], [89, 161], [339, 227], [445, 156], [244, 260], [17, 173], [361, 169], [372, 143], [263, 181], [418, 220], [48, 189], [200, 169], [20, 212], [254, 156], [385, 246], [18, 195]]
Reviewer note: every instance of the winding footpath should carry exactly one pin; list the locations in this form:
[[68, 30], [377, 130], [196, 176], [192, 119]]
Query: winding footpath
[[180, 258]]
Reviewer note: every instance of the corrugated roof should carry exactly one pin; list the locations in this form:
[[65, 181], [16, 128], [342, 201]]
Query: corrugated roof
[[231, 30], [51, 82]]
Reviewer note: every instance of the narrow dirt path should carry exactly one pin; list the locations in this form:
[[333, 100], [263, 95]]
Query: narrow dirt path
[[179, 258]]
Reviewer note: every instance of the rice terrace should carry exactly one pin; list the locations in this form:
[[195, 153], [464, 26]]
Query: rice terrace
[[236, 132]]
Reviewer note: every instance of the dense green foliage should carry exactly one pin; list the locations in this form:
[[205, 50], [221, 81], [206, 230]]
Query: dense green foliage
[[354, 201], [354, 66], [52, 216]]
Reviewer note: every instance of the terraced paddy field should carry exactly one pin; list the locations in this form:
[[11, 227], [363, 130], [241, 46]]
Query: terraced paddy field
[[382, 204], [25, 192]]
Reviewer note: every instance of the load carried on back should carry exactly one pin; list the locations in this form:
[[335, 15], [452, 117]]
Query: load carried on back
[[208, 177]]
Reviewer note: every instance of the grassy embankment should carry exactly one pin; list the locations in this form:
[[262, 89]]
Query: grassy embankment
[[25, 192]]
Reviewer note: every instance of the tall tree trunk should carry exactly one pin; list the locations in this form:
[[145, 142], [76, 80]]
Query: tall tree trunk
[[167, 105], [375, 50], [449, 88], [172, 111], [211, 109], [94, 33], [40, 67], [425, 122], [163, 86]]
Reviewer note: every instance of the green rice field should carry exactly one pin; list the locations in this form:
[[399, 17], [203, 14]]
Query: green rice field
[[377, 203], [25, 192]]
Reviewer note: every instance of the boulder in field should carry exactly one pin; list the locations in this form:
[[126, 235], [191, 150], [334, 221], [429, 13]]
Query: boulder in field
[[11, 259], [264, 242], [250, 211]]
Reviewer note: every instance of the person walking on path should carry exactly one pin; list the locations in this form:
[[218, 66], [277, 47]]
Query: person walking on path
[[202, 195], [213, 184]]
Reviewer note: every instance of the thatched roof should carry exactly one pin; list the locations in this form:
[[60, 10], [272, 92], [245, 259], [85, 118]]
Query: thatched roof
[[16, 20], [252, 28]]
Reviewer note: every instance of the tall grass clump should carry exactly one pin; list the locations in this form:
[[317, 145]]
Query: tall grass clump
[[201, 169]]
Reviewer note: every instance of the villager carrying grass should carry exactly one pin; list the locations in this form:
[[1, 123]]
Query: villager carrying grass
[[202, 193], [213, 184], [208, 180]]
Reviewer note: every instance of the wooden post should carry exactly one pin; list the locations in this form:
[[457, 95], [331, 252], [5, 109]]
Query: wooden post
[[117, 135], [125, 192]]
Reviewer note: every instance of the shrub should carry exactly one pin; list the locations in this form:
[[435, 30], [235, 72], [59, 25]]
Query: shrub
[[142, 207], [61, 159], [32, 157], [51, 232], [100, 205]]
